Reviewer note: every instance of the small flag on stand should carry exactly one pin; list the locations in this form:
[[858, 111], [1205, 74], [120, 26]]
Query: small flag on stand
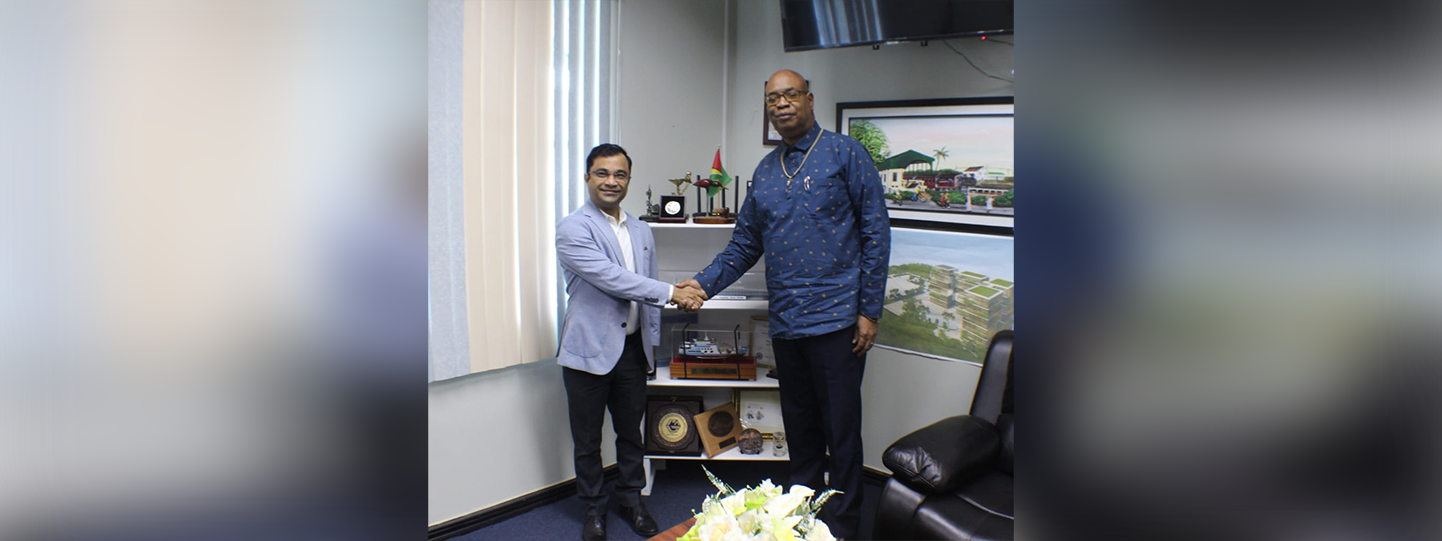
[[719, 177]]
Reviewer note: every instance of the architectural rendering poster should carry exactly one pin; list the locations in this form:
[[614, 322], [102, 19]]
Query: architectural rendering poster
[[940, 160], [947, 293]]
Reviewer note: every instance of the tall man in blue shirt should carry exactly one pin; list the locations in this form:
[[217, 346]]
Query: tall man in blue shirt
[[816, 212]]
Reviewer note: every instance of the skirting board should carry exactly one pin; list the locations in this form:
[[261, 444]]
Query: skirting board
[[554, 493], [510, 508]]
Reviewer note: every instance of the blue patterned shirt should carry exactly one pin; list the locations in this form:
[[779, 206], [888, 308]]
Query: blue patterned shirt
[[826, 237]]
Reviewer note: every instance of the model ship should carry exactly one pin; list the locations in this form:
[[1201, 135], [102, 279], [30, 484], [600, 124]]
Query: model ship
[[703, 358], [701, 347], [706, 347]]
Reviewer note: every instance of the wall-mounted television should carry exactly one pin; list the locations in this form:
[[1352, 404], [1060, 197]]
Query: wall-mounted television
[[824, 24]]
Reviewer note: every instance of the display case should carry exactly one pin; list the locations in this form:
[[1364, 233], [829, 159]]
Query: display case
[[710, 353]]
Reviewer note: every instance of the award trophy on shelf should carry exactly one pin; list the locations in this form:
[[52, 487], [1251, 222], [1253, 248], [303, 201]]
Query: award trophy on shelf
[[673, 207], [651, 209]]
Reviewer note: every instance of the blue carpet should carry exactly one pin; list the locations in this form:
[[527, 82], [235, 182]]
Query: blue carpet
[[679, 489]]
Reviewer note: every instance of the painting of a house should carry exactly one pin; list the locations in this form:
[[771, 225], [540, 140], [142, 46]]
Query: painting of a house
[[951, 159]]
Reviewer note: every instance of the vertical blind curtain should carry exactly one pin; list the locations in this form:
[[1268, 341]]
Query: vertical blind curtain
[[519, 91], [449, 332], [582, 100]]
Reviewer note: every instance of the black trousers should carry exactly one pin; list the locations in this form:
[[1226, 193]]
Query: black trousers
[[588, 396], [821, 406]]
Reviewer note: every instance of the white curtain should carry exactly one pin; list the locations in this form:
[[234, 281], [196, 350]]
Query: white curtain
[[519, 91], [582, 63]]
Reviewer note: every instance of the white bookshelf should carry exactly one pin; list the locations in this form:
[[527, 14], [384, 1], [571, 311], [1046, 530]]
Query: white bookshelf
[[663, 379], [689, 225], [684, 248], [733, 453], [732, 304]]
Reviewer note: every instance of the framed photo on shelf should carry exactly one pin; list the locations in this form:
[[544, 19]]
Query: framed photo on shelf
[[761, 410], [943, 160], [761, 342]]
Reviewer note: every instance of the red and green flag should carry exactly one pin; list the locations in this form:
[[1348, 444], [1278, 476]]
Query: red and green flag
[[719, 177]]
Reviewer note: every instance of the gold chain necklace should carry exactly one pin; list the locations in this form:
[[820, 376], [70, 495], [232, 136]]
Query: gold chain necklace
[[781, 158]]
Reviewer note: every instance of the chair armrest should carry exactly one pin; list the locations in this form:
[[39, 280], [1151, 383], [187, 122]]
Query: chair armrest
[[940, 457]]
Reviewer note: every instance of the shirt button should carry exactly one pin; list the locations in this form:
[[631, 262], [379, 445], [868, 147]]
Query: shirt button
[[623, 324]]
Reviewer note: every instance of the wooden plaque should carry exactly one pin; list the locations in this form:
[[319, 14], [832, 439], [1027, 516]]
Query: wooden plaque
[[671, 426], [719, 429], [736, 367]]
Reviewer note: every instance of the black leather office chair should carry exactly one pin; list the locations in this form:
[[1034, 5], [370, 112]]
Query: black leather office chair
[[953, 479]]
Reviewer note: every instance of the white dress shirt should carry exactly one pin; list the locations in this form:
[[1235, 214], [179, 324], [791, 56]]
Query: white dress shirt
[[623, 237]]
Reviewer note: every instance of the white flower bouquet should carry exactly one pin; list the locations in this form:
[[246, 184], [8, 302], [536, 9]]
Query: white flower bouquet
[[763, 513]]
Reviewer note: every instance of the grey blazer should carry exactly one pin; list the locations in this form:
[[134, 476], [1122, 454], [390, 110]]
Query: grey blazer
[[601, 289]]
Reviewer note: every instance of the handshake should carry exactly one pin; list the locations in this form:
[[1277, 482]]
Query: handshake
[[688, 295]]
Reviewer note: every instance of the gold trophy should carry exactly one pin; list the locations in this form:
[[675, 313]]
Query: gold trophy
[[673, 207]]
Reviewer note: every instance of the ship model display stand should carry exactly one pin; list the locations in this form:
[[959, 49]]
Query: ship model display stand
[[712, 354], [711, 214]]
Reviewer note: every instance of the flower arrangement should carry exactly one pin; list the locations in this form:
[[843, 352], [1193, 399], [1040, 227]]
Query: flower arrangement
[[763, 513]]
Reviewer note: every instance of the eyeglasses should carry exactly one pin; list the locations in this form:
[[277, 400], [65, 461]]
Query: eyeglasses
[[791, 94], [603, 175]]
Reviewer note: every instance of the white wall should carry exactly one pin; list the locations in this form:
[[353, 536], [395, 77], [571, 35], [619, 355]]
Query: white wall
[[670, 92], [498, 435]]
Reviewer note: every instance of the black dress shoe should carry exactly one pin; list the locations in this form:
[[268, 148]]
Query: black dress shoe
[[594, 528], [639, 520]]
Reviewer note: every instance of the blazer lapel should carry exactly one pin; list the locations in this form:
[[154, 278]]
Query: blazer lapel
[[613, 245], [637, 250]]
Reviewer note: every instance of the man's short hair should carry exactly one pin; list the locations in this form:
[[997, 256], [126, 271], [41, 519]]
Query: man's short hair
[[606, 150]]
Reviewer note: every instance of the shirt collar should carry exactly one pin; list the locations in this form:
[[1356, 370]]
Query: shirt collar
[[807, 140], [612, 219], [591, 207]]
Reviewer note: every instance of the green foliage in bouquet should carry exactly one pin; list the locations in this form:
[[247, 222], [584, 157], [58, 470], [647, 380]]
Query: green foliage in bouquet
[[763, 513]]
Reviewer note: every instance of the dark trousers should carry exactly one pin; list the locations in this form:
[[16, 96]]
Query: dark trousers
[[588, 396], [821, 406]]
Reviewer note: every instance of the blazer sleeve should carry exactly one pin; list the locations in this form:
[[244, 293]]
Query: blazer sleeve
[[579, 251]]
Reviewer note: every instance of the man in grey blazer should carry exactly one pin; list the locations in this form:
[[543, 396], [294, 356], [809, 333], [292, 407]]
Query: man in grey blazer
[[612, 326]]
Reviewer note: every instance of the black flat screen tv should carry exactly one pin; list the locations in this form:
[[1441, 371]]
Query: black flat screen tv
[[825, 24]]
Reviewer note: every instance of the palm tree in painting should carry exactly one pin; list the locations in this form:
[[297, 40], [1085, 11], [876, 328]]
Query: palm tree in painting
[[939, 154]]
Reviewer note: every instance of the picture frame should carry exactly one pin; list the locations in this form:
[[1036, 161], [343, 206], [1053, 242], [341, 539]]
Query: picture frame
[[941, 160], [761, 410], [949, 289], [769, 136]]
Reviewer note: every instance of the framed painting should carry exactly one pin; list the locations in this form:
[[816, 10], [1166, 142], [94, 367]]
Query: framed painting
[[944, 160], [948, 292]]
